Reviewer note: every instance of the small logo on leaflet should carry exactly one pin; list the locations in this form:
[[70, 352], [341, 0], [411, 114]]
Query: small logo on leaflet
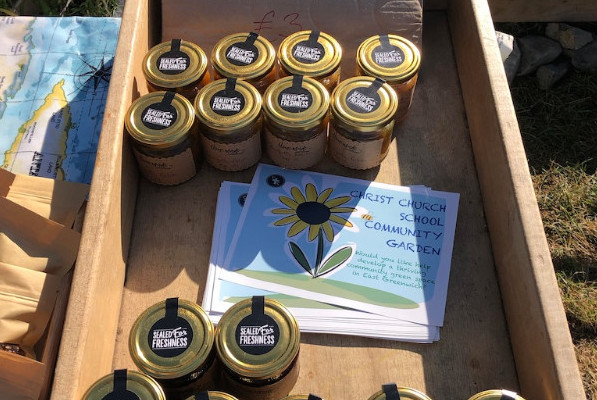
[[166, 339], [241, 55], [257, 336], [173, 64]]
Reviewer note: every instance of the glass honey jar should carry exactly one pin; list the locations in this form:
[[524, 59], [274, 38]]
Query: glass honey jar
[[123, 384], [296, 121], [172, 341], [361, 122], [178, 66], [163, 132], [497, 394], [211, 395], [230, 122], [393, 392], [311, 53], [394, 59], [246, 56], [257, 342]]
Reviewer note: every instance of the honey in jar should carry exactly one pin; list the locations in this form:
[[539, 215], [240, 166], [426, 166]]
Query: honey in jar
[[172, 341], [361, 122], [246, 56], [394, 59], [230, 122], [311, 53], [257, 342], [123, 384], [296, 121], [178, 66], [393, 392], [163, 132]]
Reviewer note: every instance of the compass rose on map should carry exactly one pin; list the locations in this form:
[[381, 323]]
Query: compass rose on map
[[95, 73]]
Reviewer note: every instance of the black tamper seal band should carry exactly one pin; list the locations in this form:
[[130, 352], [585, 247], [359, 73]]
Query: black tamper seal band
[[313, 36], [251, 38], [119, 381], [230, 86], [391, 391], [175, 45], [172, 307], [167, 100], [297, 81], [258, 305], [202, 396], [384, 40], [376, 84]]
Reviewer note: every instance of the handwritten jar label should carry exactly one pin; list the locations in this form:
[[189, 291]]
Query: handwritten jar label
[[232, 156], [167, 170], [356, 154], [295, 155]]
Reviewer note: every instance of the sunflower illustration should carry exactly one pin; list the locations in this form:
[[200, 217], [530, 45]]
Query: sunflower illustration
[[315, 212]]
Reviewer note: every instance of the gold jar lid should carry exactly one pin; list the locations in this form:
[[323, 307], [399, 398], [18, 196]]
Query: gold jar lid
[[310, 53], [390, 57], [497, 394], [393, 392], [364, 103], [116, 386], [257, 338], [171, 339], [296, 102], [243, 55], [228, 104], [174, 64], [211, 395], [160, 119]]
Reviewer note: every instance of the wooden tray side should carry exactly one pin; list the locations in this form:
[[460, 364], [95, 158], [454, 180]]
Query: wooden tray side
[[543, 10], [543, 350], [87, 346]]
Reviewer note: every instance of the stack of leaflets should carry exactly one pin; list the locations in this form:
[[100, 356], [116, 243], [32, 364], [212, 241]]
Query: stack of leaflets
[[346, 256]]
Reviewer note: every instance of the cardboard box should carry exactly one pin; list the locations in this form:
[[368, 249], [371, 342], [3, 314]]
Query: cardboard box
[[505, 324]]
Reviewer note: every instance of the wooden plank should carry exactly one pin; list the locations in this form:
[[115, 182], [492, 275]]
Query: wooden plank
[[545, 359], [21, 376], [172, 238], [92, 315], [543, 10]]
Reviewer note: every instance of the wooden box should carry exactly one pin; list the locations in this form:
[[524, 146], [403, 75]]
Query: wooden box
[[505, 326]]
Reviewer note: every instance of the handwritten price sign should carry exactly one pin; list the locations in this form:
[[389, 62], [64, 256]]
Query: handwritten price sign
[[283, 23]]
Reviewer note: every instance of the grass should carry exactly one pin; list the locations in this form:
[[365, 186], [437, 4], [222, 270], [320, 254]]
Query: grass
[[559, 130]]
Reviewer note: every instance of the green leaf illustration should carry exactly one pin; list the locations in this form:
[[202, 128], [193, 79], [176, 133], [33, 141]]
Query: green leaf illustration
[[335, 260], [299, 256], [319, 252]]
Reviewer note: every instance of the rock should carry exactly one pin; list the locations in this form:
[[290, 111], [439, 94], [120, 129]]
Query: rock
[[510, 54], [574, 38], [585, 59], [550, 74], [536, 51], [552, 30], [568, 36]]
